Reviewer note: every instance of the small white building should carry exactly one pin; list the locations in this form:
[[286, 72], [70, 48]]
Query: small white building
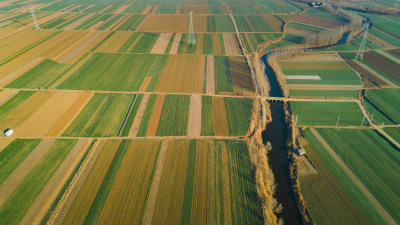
[[8, 132], [301, 152]]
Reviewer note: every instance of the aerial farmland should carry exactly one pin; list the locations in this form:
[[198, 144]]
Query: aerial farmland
[[199, 112]]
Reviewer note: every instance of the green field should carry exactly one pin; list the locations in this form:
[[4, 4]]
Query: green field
[[103, 116], [369, 213], [132, 22], [113, 72], [330, 72], [207, 116], [223, 79], [131, 116], [10, 158], [18, 203], [41, 76], [394, 132], [174, 116], [14, 102], [146, 116], [325, 93], [221, 23], [327, 113], [387, 101], [145, 43], [207, 44], [238, 112], [373, 160]]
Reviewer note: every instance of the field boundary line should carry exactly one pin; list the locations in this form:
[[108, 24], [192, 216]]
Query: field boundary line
[[354, 178], [20, 71], [127, 116], [17, 176], [151, 201], [9, 94], [194, 123]]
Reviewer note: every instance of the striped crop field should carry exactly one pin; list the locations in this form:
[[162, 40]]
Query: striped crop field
[[105, 71], [328, 113], [14, 102], [208, 184], [174, 116], [32, 184], [238, 112], [103, 116], [207, 116]]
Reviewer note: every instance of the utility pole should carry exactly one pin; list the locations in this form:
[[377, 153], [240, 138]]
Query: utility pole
[[192, 36], [362, 121], [337, 122], [360, 52], [35, 23]]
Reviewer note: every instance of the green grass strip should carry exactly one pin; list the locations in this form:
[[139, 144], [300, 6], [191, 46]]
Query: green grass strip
[[207, 117], [131, 116], [174, 116], [146, 116], [187, 202], [221, 42], [102, 41]]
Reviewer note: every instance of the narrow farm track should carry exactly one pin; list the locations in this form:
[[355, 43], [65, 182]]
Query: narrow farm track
[[354, 178], [151, 201], [375, 73], [139, 115]]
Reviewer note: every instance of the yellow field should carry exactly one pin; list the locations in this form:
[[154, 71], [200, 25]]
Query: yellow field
[[114, 42], [127, 197], [87, 193], [221, 127], [182, 74]]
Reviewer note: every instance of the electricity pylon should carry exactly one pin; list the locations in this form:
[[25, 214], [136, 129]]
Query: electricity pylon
[[360, 52], [35, 23], [192, 36]]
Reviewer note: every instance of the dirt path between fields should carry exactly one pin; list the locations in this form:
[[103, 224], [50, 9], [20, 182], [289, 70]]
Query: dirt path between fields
[[175, 44], [155, 116], [15, 178], [139, 115], [151, 201], [14, 75], [194, 127], [210, 88], [49, 193], [161, 44], [367, 68], [230, 45], [6, 95], [354, 178], [69, 195]]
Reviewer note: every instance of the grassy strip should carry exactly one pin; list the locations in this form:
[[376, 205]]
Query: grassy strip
[[238, 112], [66, 185], [131, 116], [187, 201], [156, 71], [207, 116], [207, 44], [222, 44], [174, 116], [223, 79], [326, 93], [18, 203], [14, 102], [146, 116], [14, 154]]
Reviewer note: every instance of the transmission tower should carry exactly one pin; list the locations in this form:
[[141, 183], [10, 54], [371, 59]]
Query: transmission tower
[[360, 52], [192, 36], [35, 23]]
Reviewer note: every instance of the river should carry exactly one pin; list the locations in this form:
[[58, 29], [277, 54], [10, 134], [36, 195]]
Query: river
[[276, 133]]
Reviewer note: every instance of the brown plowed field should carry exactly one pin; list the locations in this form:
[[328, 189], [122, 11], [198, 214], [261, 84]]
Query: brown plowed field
[[318, 21], [155, 116], [395, 52], [388, 67], [182, 74], [210, 75]]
